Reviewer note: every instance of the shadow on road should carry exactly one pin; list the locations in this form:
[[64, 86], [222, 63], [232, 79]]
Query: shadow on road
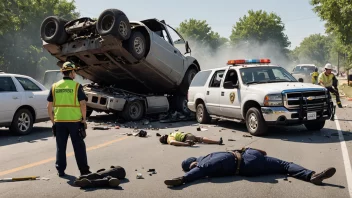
[[271, 179], [38, 134]]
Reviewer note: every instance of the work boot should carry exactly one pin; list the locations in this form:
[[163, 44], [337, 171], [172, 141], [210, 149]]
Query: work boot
[[174, 182], [85, 172], [114, 182], [318, 178], [339, 104], [83, 183]]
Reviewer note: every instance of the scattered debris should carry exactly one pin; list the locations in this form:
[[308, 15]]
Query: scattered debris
[[117, 127], [23, 179], [141, 133], [201, 129], [139, 176], [158, 134], [285, 179], [151, 170], [128, 134], [231, 140], [247, 136], [101, 128], [234, 131], [175, 117]]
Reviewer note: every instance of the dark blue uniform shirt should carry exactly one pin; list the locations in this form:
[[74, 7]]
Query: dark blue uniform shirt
[[215, 164], [81, 95]]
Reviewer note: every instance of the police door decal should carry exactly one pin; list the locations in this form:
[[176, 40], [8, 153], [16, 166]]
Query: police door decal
[[232, 97]]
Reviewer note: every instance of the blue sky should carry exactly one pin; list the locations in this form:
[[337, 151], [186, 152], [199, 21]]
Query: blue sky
[[300, 21]]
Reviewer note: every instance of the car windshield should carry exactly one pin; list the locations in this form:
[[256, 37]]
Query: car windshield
[[265, 74], [304, 69]]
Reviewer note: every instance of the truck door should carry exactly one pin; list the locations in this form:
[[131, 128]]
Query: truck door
[[230, 99], [212, 95]]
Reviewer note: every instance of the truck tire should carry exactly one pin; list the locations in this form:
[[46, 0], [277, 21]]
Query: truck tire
[[255, 122], [52, 30], [136, 45], [315, 126], [133, 110], [181, 104], [22, 123], [187, 79], [114, 22], [202, 114]]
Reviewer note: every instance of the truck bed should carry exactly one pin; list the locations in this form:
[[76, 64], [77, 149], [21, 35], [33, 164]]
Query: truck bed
[[105, 61]]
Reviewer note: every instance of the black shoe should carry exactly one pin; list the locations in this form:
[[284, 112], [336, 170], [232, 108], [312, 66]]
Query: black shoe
[[340, 105], [114, 182], [82, 183], [61, 174], [318, 178], [174, 182], [85, 172]]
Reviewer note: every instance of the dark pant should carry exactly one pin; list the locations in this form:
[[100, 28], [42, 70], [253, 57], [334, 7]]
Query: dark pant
[[255, 163], [336, 93], [63, 130]]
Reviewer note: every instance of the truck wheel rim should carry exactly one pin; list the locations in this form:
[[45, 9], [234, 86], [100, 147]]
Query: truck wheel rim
[[253, 122], [138, 45], [107, 23], [24, 122], [135, 110], [50, 29], [123, 28], [200, 114]]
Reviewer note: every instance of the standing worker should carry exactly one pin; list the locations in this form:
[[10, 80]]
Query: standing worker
[[69, 102], [315, 75], [329, 81]]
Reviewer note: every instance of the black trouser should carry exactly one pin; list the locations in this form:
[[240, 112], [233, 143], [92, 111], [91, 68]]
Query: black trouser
[[256, 164], [336, 93], [63, 130]]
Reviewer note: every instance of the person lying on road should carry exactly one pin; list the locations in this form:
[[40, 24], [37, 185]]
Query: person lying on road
[[186, 139], [253, 162]]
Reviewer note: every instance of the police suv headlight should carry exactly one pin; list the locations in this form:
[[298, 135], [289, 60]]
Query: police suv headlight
[[273, 100]]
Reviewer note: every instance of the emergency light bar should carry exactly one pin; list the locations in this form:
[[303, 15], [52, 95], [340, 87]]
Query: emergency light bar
[[247, 61]]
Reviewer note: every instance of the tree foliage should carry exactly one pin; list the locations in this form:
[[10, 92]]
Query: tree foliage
[[20, 44], [200, 32], [262, 27], [315, 49]]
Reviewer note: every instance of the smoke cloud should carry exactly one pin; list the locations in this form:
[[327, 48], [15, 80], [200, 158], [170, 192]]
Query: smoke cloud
[[209, 58]]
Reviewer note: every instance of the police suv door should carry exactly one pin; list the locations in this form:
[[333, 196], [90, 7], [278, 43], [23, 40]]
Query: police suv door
[[212, 95], [230, 98]]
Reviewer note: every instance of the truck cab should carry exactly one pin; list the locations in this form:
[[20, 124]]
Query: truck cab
[[304, 71], [259, 94]]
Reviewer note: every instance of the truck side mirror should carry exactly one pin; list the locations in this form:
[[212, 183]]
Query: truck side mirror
[[300, 80]]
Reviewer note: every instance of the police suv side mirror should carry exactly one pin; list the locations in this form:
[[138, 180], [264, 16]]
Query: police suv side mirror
[[229, 85], [300, 80]]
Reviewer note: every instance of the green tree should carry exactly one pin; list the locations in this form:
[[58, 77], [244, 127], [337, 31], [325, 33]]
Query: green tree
[[315, 48], [200, 33], [20, 44], [338, 17], [260, 27]]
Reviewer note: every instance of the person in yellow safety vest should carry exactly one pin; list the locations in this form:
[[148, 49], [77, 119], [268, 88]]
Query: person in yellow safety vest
[[315, 75], [69, 102], [178, 138], [329, 81]]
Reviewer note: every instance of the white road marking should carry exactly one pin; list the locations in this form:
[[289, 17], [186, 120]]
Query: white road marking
[[345, 156]]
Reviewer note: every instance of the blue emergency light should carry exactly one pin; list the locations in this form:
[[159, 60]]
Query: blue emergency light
[[247, 61]]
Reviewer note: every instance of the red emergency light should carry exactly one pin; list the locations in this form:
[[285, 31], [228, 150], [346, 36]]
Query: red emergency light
[[248, 61]]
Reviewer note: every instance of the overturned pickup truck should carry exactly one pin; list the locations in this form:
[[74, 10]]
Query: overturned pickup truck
[[138, 67]]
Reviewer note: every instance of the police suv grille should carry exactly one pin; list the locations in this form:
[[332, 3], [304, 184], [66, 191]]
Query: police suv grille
[[311, 101]]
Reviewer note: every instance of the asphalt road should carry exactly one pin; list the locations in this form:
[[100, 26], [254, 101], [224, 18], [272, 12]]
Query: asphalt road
[[34, 155]]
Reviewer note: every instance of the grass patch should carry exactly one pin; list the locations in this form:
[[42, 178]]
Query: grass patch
[[346, 89]]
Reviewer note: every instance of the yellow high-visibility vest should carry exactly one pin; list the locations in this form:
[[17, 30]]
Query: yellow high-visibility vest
[[326, 80], [66, 104]]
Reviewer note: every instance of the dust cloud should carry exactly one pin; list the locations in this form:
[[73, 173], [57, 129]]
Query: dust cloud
[[209, 58]]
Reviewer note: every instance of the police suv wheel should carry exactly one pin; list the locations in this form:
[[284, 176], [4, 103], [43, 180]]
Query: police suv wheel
[[202, 114], [315, 126], [255, 122], [22, 123]]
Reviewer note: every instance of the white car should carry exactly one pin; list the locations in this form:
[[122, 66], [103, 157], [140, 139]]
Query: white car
[[259, 94], [23, 103]]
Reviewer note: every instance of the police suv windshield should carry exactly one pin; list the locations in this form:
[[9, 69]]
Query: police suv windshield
[[265, 74]]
